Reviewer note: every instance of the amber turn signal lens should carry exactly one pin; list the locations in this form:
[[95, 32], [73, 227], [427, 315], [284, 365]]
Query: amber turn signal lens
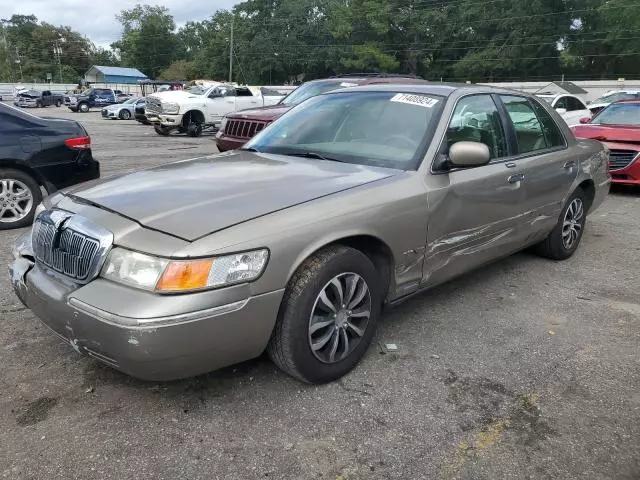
[[181, 276]]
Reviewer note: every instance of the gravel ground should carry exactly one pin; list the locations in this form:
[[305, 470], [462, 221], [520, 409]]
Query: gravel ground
[[526, 369]]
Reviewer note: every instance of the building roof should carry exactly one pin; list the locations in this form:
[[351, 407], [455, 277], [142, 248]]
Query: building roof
[[571, 87], [120, 71]]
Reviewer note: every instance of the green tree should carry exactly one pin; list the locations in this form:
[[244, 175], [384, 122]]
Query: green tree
[[148, 41]]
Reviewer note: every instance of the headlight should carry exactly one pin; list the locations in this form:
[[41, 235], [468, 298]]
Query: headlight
[[173, 276], [223, 124], [170, 108]]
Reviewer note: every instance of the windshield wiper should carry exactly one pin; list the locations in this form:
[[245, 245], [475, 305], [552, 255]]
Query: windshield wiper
[[315, 155]]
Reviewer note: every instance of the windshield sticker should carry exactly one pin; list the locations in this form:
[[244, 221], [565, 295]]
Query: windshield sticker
[[348, 84], [419, 100]]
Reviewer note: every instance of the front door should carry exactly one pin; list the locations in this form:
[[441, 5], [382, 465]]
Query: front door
[[543, 154], [474, 213], [221, 101]]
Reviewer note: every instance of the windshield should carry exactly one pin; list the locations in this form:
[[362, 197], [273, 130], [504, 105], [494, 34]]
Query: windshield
[[130, 100], [312, 89], [619, 114], [615, 96], [88, 91], [386, 129], [195, 90], [546, 99]]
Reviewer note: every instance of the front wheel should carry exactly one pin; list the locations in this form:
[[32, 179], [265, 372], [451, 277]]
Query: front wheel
[[565, 238], [59, 103], [83, 107], [328, 316], [38, 104], [194, 129], [20, 194], [161, 130], [124, 115]]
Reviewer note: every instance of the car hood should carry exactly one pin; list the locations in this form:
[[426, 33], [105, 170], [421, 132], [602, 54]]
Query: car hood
[[176, 95], [193, 198], [608, 133], [266, 114]]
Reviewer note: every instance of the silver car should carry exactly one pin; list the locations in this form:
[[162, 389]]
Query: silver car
[[352, 201], [122, 111]]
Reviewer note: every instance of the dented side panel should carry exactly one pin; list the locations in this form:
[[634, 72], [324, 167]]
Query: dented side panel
[[475, 216]]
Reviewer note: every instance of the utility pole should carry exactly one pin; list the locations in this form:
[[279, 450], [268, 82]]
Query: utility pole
[[57, 53], [19, 64], [231, 55]]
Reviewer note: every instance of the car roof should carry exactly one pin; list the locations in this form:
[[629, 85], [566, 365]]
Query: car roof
[[374, 78], [433, 88], [628, 100]]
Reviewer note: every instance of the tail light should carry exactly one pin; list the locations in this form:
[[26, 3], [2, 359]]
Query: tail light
[[78, 143]]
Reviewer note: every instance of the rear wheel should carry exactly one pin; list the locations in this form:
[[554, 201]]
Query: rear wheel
[[19, 196], [124, 115], [565, 238], [161, 130], [328, 316]]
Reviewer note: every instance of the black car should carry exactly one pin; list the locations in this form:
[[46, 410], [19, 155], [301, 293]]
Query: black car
[[91, 98], [140, 112], [37, 153]]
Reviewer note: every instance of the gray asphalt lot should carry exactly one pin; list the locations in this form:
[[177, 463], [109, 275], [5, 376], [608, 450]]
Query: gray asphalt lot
[[525, 369]]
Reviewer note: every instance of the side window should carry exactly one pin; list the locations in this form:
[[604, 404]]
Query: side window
[[525, 123], [476, 119], [13, 122], [243, 92], [552, 133], [561, 103], [575, 104]]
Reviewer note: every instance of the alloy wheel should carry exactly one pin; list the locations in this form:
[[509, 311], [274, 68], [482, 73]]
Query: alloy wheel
[[572, 223], [16, 200], [339, 317]]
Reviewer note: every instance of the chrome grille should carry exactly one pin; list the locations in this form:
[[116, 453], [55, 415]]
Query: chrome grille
[[619, 159], [70, 244], [243, 128], [153, 105]]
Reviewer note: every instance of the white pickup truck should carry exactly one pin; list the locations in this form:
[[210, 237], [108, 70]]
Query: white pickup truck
[[193, 110]]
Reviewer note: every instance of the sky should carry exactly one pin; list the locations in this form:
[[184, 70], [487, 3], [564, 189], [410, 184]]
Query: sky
[[96, 19]]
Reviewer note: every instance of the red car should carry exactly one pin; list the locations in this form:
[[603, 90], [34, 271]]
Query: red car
[[618, 127], [239, 127]]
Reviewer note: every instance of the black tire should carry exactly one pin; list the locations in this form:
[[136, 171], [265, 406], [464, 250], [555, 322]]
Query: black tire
[[289, 346], [182, 130], [83, 107], [194, 129], [38, 104], [36, 194], [161, 130], [124, 115], [59, 103], [553, 246]]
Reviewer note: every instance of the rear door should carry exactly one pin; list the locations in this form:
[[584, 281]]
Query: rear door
[[474, 213], [547, 164]]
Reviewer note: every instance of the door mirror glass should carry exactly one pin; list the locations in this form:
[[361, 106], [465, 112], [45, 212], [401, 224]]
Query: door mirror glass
[[469, 154], [561, 110], [584, 120]]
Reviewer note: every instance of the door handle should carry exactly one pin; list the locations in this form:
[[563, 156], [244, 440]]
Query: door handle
[[570, 164], [510, 165], [515, 178]]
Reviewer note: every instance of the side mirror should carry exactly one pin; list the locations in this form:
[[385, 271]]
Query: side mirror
[[469, 154], [584, 120], [561, 110]]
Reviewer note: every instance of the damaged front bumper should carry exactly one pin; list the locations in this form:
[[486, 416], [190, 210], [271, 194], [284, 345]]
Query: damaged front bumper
[[145, 335]]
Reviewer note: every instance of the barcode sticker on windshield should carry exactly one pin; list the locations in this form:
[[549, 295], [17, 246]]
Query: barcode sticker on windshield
[[419, 100]]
